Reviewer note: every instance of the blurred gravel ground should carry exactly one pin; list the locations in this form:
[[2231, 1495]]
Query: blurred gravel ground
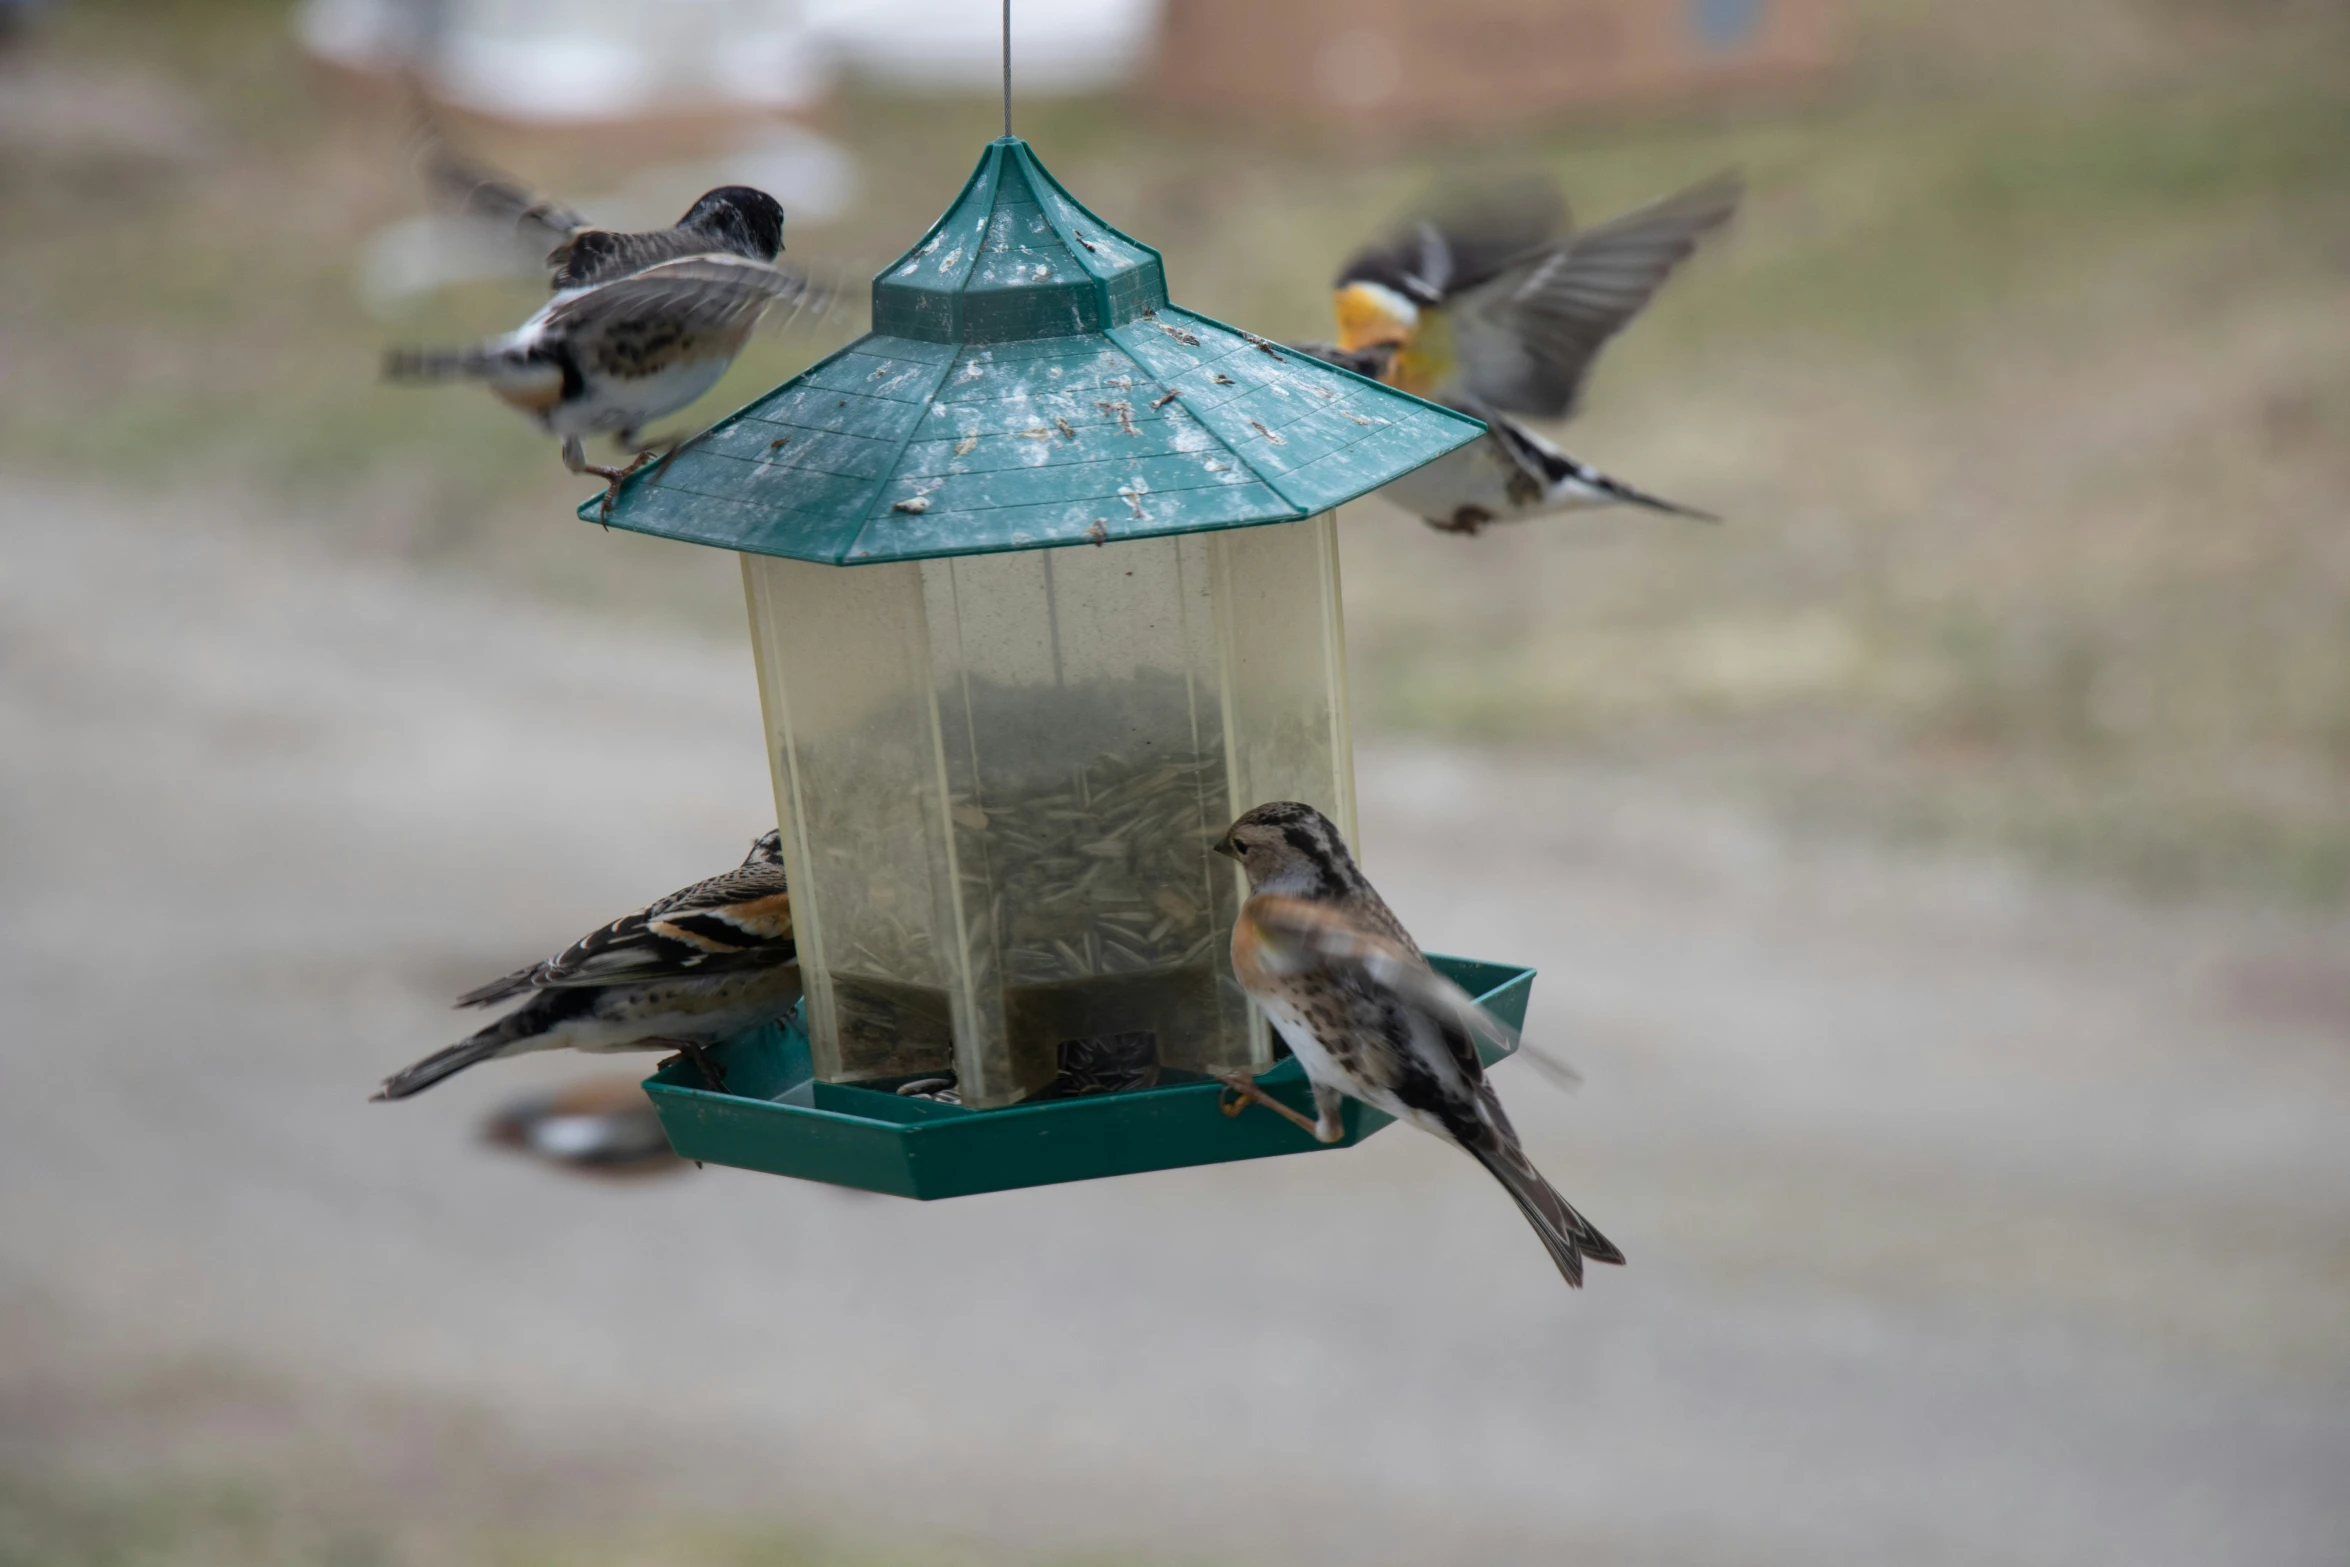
[[1971, 1219]]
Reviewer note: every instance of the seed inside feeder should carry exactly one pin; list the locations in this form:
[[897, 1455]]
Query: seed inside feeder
[[1098, 899]]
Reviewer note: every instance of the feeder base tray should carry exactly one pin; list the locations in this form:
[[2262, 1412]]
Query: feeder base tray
[[774, 1116]]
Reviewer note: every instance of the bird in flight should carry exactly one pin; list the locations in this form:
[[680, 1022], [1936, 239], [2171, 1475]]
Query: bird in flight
[[639, 325], [1494, 304], [1346, 987]]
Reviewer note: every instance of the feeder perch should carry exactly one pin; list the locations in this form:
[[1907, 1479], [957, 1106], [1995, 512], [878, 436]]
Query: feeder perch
[[1043, 587]]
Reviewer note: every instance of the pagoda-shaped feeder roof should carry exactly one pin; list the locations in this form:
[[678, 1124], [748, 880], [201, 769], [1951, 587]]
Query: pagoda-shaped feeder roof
[[1026, 384]]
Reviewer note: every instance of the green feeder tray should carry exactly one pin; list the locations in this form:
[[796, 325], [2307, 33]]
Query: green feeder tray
[[776, 1116]]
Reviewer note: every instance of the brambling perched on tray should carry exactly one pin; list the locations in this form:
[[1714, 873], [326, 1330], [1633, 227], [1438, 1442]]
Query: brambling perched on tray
[[640, 324], [604, 1127], [700, 966], [1346, 987], [1495, 305]]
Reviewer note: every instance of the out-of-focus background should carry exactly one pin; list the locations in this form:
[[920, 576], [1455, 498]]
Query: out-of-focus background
[[1941, 870]]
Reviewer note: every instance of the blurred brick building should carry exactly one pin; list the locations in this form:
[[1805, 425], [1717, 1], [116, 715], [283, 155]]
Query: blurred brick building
[[1480, 64]]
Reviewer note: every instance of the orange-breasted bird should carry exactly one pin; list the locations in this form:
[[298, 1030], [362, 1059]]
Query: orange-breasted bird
[[700, 966], [1346, 987], [1496, 305], [640, 324]]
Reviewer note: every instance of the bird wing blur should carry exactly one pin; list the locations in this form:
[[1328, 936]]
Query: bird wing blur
[[1526, 339], [632, 328], [1288, 936], [1492, 305], [575, 252], [670, 306], [695, 968], [503, 202], [1523, 339], [1465, 236]]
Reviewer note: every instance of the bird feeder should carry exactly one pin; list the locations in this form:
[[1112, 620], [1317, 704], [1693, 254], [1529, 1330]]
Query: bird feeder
[[1043, 587]]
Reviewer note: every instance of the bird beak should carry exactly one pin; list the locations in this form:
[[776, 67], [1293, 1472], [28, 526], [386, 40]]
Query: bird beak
[[1227, 848]]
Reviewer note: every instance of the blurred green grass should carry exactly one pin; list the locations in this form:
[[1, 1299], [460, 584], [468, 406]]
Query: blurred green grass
[[111, 1458], [2024, 381], [251, 1521]]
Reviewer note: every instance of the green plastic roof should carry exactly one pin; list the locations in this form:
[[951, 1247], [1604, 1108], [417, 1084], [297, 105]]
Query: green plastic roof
[[1026, 384]]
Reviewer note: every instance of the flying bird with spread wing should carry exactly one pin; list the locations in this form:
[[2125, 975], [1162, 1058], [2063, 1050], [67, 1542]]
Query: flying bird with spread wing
[[1495, 304], [640, 324]]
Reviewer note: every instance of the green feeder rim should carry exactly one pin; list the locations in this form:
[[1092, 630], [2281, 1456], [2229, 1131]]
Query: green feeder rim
[[776, 1116], [1027, 385]]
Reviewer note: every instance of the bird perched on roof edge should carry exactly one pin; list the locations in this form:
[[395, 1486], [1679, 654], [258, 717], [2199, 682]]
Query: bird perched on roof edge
[[640, 324], [1349, 992], [1494, 305], [700, 966]]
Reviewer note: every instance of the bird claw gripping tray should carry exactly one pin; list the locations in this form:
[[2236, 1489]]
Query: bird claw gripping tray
[[1043, 587]]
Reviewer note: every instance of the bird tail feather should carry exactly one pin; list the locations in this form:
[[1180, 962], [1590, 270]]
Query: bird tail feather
[[1617, 490], [1566, 1234], [1563, 471], [500, 1038]]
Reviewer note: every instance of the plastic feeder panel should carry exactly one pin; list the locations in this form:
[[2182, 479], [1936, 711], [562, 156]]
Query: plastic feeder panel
[[1004, 773]]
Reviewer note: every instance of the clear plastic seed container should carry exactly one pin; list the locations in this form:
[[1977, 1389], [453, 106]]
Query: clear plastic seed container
[[999, 776]]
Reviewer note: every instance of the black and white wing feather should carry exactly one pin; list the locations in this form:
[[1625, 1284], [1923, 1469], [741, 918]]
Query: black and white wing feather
[[1553, 473], [1525, 338], [739, 920], [599, 255], [698, 295], [702, 289]]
